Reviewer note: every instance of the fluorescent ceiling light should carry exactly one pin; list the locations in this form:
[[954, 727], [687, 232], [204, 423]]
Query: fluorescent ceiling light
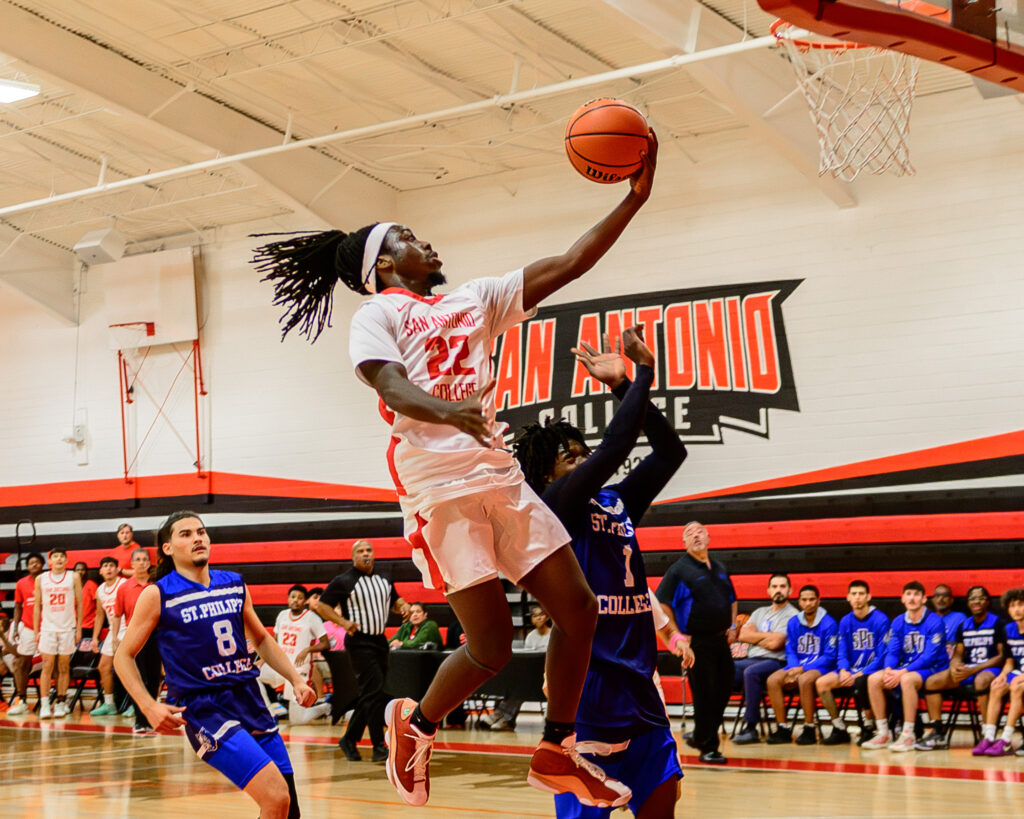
[[13, 91]]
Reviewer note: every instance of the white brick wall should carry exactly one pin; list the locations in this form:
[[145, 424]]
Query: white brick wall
[[906, 333]]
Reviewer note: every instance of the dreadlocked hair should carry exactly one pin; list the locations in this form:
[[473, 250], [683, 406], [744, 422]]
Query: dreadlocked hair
[[536, 448], [304, 269]]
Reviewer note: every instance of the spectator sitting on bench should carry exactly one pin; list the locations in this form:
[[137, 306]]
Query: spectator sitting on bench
[[942, 602], [862, 637], [765, 636], [916, 650], [811, 645], [979, 653], [1010, 680], [418, 631]]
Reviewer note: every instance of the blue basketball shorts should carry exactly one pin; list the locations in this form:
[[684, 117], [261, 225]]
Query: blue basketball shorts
[[231, 730], [1012, 675], [650, 759]]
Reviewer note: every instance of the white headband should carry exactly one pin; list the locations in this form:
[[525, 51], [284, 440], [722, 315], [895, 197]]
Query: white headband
[[372, 251]]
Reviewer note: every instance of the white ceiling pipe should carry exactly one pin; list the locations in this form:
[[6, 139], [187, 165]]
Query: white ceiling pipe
[[501, 100]]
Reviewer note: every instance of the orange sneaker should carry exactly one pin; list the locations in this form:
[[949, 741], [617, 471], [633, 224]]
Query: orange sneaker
[[561, 769], [409, 752], [4, 706]]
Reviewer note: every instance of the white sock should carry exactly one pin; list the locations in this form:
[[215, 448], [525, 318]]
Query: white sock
[[908, 730], [988, 732], [45, 702], [883, 727], [108, 699], [1007, 733], [839, 724]]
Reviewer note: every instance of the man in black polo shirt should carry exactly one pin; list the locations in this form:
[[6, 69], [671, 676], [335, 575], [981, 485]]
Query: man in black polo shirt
[[366, 600], [698, 595]]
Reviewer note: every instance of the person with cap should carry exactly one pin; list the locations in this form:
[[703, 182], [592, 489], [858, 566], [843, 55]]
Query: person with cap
[[468, 512]]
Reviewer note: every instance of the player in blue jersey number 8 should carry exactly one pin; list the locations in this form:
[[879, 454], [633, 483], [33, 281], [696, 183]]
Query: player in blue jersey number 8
[[200, 618]]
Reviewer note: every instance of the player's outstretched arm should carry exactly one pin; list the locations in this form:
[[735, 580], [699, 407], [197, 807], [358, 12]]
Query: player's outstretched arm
[[392, 384], [544, 277], [272, 654], [161, 716]]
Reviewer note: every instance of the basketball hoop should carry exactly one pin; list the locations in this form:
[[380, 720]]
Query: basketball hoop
[[132, 340], [860, 99]]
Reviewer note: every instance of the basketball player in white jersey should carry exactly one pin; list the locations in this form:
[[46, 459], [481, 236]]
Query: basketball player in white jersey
[[468, 512], [301, 634], [58, 622], [106, 597]]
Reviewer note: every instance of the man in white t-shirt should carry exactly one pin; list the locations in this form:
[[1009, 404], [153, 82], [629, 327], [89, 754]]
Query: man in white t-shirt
[[106, 600], [301, 634], [468, 512], [58, 622], [765, 634]]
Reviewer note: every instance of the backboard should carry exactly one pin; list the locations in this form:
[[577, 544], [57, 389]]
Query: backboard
[[976, 37]]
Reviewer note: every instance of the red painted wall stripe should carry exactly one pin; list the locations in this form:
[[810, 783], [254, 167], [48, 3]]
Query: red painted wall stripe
[[980, 449], [883, 584], [170, 486], [880, 529]]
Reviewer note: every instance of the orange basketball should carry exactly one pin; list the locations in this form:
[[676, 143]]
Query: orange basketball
[[604, 139]]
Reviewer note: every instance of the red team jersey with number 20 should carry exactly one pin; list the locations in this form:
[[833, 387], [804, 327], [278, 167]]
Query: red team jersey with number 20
[[444, 343]]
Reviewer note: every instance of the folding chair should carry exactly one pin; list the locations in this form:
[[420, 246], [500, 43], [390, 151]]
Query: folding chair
[[84, 669]]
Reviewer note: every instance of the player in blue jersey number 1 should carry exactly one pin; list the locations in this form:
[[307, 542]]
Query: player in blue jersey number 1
[[200, 618], [621, 721]]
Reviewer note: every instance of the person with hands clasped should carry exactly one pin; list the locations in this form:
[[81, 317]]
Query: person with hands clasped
[[698, 597], [200, 618]]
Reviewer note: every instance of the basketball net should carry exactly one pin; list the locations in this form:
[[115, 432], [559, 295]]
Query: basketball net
[[860, 99], [131, 340]]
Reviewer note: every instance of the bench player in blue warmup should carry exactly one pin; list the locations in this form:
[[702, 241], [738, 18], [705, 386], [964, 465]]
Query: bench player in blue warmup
[[1010, 680], [200, 618], [621, 718], [916, 650]]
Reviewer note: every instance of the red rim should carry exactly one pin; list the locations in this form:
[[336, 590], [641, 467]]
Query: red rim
[[780, 27]]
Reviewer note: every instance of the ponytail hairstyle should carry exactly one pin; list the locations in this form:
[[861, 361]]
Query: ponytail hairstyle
[[165, 563], [304, 269], [536, 448]]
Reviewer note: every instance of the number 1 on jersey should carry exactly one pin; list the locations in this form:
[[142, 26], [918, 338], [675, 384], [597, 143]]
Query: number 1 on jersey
[[627, 552]]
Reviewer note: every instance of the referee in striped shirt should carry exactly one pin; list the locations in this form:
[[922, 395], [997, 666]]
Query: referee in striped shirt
[[366, 601]]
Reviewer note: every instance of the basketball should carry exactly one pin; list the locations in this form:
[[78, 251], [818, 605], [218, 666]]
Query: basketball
[[604, 138]]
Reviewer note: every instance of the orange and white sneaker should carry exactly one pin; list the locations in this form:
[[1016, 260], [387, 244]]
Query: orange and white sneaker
[[409, 751], [561, 769]]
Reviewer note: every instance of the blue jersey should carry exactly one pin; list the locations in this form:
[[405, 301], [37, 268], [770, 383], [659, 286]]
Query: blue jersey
[[619, 698], [917, 646], [812, 647], [982, 641], [951, 622], [1015, 644], [862, 642], [201, 635]]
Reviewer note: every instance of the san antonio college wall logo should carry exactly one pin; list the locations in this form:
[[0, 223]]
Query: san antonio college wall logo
[[722, 360]]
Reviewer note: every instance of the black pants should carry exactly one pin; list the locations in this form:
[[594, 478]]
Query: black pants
[[369, 655], [859, 689], [711, 680], [148, 661]]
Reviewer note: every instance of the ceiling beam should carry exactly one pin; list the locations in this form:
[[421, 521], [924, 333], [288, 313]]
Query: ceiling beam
[[748, 84], [74, 60]]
